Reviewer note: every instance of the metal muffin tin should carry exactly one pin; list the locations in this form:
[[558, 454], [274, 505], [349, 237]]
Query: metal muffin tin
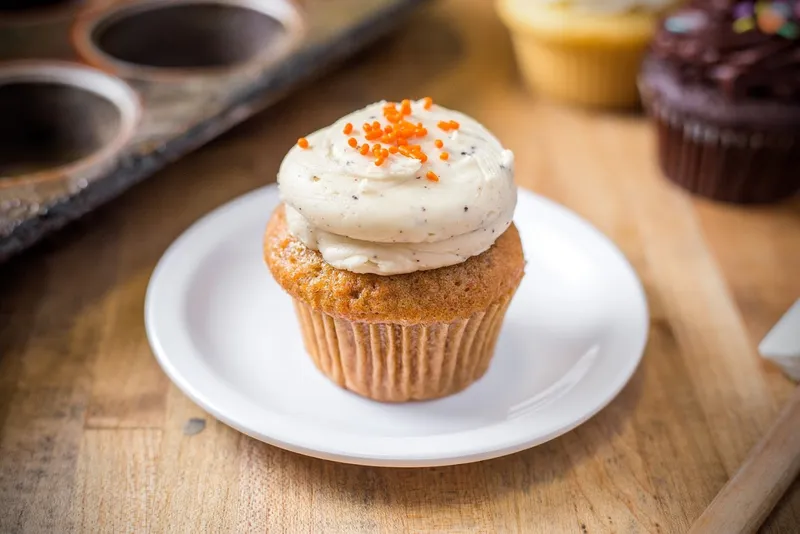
[[102, 96]]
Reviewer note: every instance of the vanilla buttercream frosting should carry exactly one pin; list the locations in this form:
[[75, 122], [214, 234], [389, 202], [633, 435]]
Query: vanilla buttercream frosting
[[368, 210]]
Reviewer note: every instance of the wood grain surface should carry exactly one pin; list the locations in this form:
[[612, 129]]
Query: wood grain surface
[[94, 438]]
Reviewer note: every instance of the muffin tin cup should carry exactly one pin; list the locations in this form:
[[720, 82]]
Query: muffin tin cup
[[177, 40], [61, 121], [393, 362], [730, 165]]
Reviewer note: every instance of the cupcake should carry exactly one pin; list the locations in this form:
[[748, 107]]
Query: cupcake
[[722, 82], [586, 52], [396, 243]]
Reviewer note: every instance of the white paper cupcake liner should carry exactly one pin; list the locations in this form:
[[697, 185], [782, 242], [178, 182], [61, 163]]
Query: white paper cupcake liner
[[393, 362]]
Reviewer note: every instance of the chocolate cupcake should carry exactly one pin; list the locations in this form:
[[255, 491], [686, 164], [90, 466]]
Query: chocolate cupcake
[[722, 81]]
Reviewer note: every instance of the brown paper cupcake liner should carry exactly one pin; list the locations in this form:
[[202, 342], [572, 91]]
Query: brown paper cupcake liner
[[393, 362], [731, 165]]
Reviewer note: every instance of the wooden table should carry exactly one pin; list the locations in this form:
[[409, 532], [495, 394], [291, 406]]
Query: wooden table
[[93, 437]]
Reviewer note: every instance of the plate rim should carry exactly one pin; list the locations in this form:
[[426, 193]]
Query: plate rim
[[296, 443]]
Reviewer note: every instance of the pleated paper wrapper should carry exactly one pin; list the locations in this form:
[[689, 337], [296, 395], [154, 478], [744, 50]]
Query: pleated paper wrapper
[[393, 362], [727, 164], [590, 76]]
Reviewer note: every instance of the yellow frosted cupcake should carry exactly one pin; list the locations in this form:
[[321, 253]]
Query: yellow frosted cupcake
[[586, 52]]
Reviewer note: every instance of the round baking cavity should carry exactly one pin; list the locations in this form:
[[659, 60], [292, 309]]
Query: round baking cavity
[[59, 118], [173, 38]]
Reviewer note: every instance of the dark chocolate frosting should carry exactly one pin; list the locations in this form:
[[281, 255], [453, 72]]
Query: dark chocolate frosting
[[700, 45]]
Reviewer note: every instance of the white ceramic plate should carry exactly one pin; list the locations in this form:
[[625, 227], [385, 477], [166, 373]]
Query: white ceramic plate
[[225, 333]]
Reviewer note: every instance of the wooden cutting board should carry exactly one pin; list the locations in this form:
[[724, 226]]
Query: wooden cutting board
[[94, 438]]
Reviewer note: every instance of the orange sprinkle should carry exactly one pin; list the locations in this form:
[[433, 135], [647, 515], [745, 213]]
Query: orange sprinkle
[[397, 134], [432, 176], [302, 143], [422, 157]]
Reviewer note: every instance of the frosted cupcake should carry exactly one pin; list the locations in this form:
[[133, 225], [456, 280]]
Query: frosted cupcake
[[722, 83], [395, 241], [585, 52]]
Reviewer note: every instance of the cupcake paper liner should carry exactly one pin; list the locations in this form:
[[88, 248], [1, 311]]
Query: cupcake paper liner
[[726, 164], [591, 76], [394, 362]]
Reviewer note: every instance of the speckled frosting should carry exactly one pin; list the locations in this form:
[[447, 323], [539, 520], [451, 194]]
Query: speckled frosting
[[370, 204]]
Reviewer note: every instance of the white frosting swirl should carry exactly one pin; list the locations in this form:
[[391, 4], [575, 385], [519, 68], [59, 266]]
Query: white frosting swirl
[[391, 219], [610, 6]]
